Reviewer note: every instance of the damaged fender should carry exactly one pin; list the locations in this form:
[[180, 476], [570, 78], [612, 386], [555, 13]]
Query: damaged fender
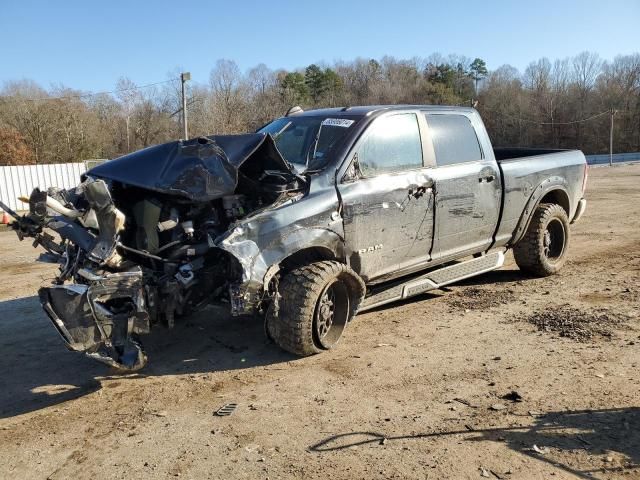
[[261, 242], [260, 264]]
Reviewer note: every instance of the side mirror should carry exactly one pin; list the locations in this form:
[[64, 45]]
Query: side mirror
[[356, 166], [353, 172]]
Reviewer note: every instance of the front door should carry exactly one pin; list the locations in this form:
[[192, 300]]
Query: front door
[[387, 199]]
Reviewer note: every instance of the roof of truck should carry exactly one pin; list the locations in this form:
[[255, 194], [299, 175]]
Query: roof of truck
[[369, 109]]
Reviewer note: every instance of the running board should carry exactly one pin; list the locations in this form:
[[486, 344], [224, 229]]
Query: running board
[[434, 279]]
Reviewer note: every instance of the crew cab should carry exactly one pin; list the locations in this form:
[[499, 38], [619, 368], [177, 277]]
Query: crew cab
[[317, 216]]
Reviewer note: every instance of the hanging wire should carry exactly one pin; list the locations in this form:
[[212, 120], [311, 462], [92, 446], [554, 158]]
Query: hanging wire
[[534, 122], [607, 112], [86, 95]]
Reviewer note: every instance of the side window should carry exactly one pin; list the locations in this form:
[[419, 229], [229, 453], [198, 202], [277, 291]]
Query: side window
[[393, 144], [454, 139]]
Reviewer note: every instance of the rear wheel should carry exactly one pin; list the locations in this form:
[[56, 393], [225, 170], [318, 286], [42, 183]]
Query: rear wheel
[[314, 305], [542, 250]]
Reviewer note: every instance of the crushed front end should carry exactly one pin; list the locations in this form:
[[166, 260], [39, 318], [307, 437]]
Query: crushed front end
[[102, 318], [138, 241]]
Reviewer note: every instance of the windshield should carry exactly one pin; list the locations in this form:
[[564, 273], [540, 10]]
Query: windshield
[[306, 142]]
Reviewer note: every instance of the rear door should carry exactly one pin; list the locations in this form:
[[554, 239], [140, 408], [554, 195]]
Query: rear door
[[387, 198], [468, 186]]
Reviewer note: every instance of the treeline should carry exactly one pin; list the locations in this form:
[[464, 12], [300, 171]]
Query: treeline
[[550, 104]]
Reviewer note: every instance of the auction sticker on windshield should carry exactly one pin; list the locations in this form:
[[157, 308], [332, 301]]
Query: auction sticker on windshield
[[337, 122]]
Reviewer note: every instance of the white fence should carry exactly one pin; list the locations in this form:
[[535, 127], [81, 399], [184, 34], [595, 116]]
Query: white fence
[[22, 179]]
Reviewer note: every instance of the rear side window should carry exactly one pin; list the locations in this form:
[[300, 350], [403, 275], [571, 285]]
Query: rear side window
[[393, 145], [454, 139]]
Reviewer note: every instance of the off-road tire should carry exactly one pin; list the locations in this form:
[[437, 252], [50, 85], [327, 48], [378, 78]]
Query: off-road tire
[[290, 318], [532, 253]]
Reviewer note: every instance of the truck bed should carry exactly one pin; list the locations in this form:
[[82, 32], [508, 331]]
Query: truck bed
[[525, 169], [518, 153]]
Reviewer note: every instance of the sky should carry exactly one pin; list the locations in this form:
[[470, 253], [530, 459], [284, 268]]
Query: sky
[[88, 45]]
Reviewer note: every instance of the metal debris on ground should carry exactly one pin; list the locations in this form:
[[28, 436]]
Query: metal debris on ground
[[465, 402], [226, 410], [540, 450]]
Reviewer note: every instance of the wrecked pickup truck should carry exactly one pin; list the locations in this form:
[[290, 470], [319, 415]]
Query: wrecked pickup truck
[[316, 216]]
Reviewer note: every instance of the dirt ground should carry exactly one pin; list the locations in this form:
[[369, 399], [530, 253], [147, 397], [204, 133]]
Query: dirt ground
[[415, 390]]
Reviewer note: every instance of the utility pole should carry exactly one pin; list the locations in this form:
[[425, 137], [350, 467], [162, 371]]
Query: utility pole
[[184, 76], [128, 144], [612, 113]]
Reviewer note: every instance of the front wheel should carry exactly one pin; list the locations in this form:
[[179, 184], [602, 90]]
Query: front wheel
[[543, 249], [314, 305]]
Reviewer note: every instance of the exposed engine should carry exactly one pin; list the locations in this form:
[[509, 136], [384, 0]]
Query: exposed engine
[[131, 257]]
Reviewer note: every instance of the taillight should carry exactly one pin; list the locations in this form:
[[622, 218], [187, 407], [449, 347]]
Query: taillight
[[584, 178]]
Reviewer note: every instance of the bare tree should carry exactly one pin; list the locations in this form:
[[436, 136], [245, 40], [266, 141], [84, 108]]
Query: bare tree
[[227, 88], [537, 75], [553, 103], [26, 108], [127, 93], [586, 68]]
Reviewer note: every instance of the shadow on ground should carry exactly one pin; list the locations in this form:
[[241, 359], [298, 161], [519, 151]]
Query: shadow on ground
[[608, 431], [37, 371], [497, 277]]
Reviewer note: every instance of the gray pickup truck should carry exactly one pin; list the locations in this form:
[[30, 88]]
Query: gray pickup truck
[[315, 217]]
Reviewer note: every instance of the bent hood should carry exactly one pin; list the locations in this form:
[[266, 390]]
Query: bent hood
[[201, 169]]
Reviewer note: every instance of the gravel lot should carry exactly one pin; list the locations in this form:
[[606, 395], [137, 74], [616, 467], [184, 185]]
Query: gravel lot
[[415, 389]]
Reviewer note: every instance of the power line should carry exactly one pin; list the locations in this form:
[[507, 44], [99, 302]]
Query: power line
[[85, 95], [533, 122]]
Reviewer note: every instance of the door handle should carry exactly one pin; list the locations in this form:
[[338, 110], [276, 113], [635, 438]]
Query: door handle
[[488, 178]]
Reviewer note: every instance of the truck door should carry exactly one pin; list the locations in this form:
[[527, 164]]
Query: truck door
[[468, 186], [387, 198]]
